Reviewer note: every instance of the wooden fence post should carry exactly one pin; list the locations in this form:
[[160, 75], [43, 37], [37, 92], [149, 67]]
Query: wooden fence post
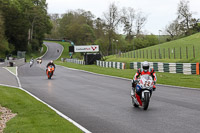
[[186, 52], [180, 53], [174, 53], [159, 53], [169, 52], [193, 52], [143, 54], [147, 54], [164, 52]]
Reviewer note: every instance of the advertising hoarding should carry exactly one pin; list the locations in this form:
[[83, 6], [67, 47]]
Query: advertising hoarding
[[86, 48]]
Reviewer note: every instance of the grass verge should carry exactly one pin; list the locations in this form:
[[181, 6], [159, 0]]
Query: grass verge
[[191, 81], [32, 115]]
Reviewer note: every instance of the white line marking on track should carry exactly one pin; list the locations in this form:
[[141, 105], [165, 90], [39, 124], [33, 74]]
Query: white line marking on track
[[9, 71], [58, 112]]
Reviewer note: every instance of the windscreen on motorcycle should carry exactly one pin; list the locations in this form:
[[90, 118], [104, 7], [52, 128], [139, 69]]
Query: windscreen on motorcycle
[[146, 81]]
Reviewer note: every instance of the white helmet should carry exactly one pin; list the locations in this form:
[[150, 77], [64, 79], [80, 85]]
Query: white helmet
[[51, 61], [145, 66]]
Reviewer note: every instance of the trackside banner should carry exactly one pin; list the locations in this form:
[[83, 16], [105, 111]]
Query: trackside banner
[[86, 48]]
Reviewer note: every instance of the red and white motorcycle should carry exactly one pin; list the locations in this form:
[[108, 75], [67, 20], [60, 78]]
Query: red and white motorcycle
[[50, 71], [143, 91]]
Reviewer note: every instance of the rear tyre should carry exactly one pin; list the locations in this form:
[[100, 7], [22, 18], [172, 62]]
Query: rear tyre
[[146, 101]]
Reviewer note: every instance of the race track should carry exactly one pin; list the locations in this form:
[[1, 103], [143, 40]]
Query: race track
[[102, 104]]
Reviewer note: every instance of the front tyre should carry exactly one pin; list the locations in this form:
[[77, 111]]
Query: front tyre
[[49, 75], [146, 100]]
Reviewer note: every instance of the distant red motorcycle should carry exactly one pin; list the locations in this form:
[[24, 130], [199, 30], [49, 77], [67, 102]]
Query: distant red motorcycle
[[50, 71]]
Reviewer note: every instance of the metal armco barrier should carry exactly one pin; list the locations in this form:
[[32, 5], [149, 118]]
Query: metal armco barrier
[[76, 61], [185, 68], [117, 65]]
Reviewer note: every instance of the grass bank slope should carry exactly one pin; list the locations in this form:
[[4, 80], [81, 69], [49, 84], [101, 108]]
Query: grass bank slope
[[182, 50]]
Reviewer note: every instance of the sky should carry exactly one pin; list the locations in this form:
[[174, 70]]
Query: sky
[[160, 13]]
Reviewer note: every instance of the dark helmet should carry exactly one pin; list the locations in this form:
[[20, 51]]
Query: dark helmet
[[145, 66]]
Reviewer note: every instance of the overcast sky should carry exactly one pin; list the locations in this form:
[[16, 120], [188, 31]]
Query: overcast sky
[[159, 12]]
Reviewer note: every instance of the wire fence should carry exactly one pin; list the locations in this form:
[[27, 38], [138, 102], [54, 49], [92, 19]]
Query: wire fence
[[186, 52]]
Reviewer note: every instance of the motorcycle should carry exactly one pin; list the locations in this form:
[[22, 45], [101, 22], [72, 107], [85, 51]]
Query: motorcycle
[[143, 91], [50, 71], [31, 62]]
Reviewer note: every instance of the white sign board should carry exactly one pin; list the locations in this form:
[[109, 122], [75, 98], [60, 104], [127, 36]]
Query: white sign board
[[86, 48]]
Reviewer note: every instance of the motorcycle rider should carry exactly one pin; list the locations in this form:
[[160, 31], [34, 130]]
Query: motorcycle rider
[[51, 63], [31, 61], [145, 70]]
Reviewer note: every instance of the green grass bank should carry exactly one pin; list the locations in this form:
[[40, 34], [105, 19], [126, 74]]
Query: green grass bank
[[32, 115]]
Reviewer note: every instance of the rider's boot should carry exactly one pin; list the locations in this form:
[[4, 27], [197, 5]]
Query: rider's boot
[[154, 87]]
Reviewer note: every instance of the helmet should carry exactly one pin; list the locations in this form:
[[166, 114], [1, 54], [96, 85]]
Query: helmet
[[145, 66], [51, 61]]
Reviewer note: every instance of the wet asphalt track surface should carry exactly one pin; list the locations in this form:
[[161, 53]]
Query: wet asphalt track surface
[[103, 105]]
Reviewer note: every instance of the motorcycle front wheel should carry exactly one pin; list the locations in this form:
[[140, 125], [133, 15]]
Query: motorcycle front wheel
[[146, 101], [49, 75]]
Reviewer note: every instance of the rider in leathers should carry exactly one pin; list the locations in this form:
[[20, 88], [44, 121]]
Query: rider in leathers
[[51, 63], [144, 70]]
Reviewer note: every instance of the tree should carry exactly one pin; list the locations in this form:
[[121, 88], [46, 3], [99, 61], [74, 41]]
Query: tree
[[4, 46], [112, 19], [140, 22], [173, 29], [55, 21], [184, 15], [143, 41], [77, 26], [99, 28], [128, 19], [26, 22], [184, 24]]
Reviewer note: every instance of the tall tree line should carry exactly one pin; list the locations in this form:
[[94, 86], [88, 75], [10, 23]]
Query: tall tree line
[[25, 23]]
